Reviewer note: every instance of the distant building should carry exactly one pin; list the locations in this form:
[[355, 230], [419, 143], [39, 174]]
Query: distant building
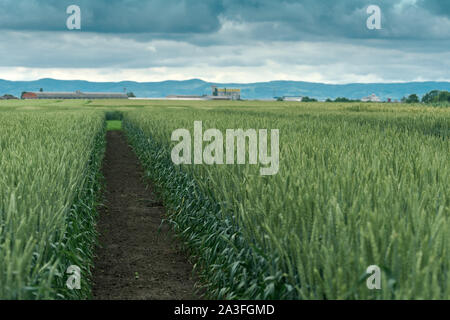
[[292, 98], [185, 97], [74, 95], [8, 97], [225, 94], [217, 94], [371, 98]]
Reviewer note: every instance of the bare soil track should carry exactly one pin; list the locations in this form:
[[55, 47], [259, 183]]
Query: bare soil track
[[137, 257]]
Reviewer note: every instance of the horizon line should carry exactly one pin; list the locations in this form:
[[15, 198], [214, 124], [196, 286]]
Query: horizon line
[[242, 83]]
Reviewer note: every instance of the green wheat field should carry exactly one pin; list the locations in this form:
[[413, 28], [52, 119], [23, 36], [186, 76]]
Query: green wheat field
[[359, 184]]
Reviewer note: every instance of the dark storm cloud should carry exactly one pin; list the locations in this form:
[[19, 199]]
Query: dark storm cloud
[[440, 7], [260, 19], [227, 40], [401, 19], [113, 16]]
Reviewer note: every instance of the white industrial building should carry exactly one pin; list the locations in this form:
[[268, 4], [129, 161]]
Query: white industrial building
[[371, 98], [292, 98]]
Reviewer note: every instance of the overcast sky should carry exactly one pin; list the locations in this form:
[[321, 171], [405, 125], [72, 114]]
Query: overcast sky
[[226, 40]]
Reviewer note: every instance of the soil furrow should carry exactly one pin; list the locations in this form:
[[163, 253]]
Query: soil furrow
[[137, 257]]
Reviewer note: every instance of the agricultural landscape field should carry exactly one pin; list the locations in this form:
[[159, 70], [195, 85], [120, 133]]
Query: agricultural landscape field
[[359, 184]]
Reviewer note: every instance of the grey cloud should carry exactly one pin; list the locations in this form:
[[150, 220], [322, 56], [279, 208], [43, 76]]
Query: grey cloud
[[283, 37], [263, 19], [345, 19], [92, 50], [113, 16], [439, 7], [110, 51]]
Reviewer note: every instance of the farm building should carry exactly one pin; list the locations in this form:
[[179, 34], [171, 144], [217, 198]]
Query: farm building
[[217, 94], [371, 98], [74, 95], [225, 94], [185, 97], [292, 98], [8, 97]]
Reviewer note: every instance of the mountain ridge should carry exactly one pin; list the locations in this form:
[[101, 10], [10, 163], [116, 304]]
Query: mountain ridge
[[258, 90]]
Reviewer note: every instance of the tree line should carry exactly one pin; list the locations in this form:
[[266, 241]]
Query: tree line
[[435, 96]]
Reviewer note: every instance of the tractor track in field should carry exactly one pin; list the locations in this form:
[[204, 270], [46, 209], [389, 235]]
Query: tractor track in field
[[137, 259]]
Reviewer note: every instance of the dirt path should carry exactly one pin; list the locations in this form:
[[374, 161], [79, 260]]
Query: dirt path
[[136, 260]]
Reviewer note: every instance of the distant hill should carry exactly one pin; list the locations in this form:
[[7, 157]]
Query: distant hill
[[263, 90]]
